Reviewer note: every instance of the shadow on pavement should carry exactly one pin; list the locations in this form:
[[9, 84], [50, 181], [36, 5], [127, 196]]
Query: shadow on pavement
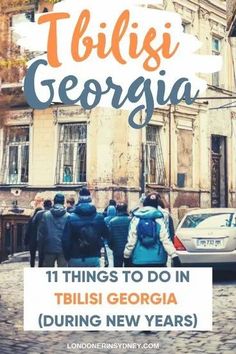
[[224, 276]]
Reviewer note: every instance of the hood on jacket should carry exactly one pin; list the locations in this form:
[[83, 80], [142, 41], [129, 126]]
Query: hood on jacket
[[148, 213], [111, 210], [163, 211], [85, 209], [58, 210]]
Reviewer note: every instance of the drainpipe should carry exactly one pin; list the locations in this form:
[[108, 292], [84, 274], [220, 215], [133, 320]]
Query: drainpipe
[[143, 170], [170, 155], [142, 179]]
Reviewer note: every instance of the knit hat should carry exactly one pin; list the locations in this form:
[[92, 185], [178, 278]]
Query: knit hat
[[59, 199], [84, 192], [84, 195], [151, 200], [47, 203]]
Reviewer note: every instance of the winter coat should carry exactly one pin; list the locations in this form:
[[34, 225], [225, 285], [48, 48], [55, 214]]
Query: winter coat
[[157, 254], [51, 229], [31, 232], [118, 233], [84, 214], [38, 218]]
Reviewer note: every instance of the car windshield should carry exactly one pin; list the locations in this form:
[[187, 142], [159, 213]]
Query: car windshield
[[209, 220]]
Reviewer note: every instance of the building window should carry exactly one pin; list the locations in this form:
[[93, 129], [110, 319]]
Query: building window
[[18, 19], [13, 51], [216, 50], [22, 17], [186, 27], [185, 158], [16, 156], [155, 169], [71, 166]]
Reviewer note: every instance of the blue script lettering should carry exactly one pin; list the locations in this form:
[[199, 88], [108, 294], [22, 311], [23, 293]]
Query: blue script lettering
[[90, 97]]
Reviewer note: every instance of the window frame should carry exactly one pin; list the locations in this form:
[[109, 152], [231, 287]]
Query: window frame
[[76, 145], [6, 156], [13, 37], [216, 75], [160, 172], [186, 27]]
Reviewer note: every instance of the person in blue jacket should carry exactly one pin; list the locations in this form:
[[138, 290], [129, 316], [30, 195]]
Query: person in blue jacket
[[155, 255], [118, 233], [111, 213], [83, 235]]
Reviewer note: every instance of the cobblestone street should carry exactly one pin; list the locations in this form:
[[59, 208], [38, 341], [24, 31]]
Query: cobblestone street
[[14, 340]]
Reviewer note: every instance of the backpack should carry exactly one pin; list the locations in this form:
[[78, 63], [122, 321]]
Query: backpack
[[147, 232], [86, 237], [149, 248]]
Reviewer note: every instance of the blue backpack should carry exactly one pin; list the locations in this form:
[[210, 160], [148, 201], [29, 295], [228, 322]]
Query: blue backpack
[[149, 248], [147, 232]]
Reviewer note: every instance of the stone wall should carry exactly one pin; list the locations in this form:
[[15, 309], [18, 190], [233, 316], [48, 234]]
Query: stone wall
[[231, 9]]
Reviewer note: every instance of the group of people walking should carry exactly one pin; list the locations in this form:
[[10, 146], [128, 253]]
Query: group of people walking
[[77, 235]]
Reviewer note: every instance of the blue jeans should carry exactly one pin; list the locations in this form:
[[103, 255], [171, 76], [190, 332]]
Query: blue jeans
[[84, 262]]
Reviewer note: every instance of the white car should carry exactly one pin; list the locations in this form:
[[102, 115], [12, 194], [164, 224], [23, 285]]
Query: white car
[[207, 237]]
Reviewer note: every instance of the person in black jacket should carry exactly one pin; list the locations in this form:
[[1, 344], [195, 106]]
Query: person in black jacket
[[47, 204], [31, 237], [118, 233], [83, 234]]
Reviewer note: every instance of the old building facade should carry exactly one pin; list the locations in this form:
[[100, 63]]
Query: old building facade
[[187, 153], [231, 13]]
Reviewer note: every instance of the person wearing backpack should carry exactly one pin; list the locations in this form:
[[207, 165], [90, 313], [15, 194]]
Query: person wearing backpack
[[148, 240], [83, 235], [118, 233], [50, 233]]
